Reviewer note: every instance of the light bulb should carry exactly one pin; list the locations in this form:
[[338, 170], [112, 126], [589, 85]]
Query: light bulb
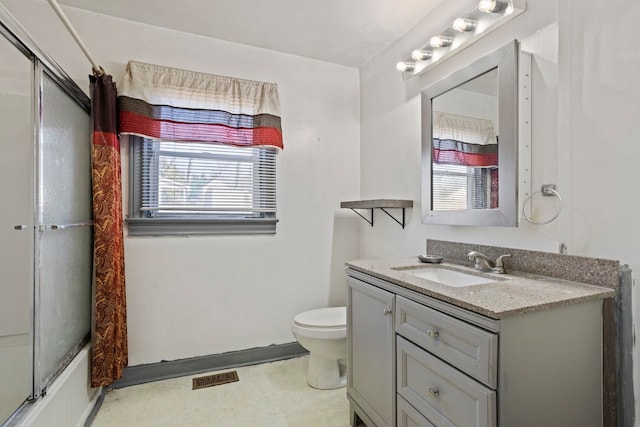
[[462, 24], [405, 66], [440, 41], [421, 55], [492, 6]]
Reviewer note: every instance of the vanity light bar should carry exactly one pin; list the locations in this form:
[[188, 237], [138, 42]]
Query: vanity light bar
[[465, 30]]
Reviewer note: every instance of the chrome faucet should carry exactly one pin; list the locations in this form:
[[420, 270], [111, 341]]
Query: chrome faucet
[[483, 263]]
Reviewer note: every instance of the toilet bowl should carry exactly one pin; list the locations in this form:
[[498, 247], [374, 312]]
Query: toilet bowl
[[323, 332]]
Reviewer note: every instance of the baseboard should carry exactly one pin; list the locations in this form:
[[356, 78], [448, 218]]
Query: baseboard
[[141, 374]]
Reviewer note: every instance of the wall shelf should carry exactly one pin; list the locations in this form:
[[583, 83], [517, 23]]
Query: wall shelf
[[382, 204]]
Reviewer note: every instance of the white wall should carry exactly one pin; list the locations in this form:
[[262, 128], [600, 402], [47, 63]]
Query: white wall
[[586, 110], [206, 295]]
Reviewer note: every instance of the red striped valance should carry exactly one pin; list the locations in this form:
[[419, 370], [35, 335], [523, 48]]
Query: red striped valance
[[463, 153], [169, 104]]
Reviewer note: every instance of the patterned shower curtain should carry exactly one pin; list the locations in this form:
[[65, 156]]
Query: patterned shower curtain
[[109, 329]]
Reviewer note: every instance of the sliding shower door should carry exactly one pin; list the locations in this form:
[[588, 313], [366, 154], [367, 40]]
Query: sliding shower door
[[46, 233], [64, 256], [16, 227]]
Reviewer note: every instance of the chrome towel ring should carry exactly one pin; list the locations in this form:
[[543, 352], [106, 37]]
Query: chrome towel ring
[[545, 190]]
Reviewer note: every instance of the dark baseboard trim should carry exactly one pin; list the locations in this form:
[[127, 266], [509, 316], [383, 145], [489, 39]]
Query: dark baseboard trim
[[141, 374]]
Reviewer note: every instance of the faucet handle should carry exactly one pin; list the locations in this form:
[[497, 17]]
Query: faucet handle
[[499, 266]]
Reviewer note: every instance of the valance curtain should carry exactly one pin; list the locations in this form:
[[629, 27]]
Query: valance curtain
[[461, 140], [170, 104]]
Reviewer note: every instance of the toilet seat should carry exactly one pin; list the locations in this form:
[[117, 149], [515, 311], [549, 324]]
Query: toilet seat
[[321, 323], [322, 318]]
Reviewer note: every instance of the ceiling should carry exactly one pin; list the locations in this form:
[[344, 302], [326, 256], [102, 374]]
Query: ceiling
[[346, 32]]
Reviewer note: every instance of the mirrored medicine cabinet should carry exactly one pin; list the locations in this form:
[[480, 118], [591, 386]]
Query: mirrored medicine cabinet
[[470, 143]]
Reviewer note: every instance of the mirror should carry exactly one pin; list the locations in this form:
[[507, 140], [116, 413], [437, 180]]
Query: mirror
[[469, 143]]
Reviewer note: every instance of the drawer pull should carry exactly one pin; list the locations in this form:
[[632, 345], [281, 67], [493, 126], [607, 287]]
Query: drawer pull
[[433, 334], [433, 393], [387, 311]]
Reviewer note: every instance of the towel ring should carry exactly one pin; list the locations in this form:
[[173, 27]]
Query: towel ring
[[545, 190]]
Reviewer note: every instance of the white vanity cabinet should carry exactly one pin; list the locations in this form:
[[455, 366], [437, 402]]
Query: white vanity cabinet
[[454, 367]]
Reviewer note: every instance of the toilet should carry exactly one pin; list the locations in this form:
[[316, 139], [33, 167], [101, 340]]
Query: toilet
[[323, 332]]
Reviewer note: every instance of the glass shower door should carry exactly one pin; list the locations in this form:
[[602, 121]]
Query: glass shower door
[[64, 253], [16, 228]]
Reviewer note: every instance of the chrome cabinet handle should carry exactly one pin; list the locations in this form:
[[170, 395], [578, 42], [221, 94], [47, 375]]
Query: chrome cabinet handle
[[433, 393], [20, 227], [387, 311], [433, 334]]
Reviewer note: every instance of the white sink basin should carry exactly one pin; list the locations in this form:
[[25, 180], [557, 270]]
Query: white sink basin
[[448, 277]]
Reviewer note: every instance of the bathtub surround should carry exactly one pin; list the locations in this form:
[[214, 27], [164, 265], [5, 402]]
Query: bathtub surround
[[69, 400]]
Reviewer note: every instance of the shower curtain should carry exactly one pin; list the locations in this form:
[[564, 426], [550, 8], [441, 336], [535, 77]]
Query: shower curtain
[[109, 329]]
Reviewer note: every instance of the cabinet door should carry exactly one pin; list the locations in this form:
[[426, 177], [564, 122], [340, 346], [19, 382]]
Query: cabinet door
[[371, 347]]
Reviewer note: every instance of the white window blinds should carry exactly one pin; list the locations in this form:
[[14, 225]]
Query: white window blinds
[[206, 180]]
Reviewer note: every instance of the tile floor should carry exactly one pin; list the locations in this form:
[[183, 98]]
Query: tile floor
[[270, 395]]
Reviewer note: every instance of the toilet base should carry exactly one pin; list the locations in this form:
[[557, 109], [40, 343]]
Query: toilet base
[[325, 374]]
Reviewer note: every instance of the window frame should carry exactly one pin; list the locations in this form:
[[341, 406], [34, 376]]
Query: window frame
[[185, 224]]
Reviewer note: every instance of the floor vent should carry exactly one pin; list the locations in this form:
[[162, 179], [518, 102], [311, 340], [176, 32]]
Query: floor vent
[[216, 379]]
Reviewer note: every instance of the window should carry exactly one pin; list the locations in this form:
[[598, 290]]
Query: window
[[203, 151], [179, 188]]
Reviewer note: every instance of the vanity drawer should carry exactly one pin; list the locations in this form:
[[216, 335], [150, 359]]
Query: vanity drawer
[[408, 416], [468, 348], [444, 395]]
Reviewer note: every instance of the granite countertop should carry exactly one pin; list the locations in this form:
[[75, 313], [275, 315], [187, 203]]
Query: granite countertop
[[509, 295]]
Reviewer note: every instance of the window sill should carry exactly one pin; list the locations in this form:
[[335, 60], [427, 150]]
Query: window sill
[[199, 227]]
